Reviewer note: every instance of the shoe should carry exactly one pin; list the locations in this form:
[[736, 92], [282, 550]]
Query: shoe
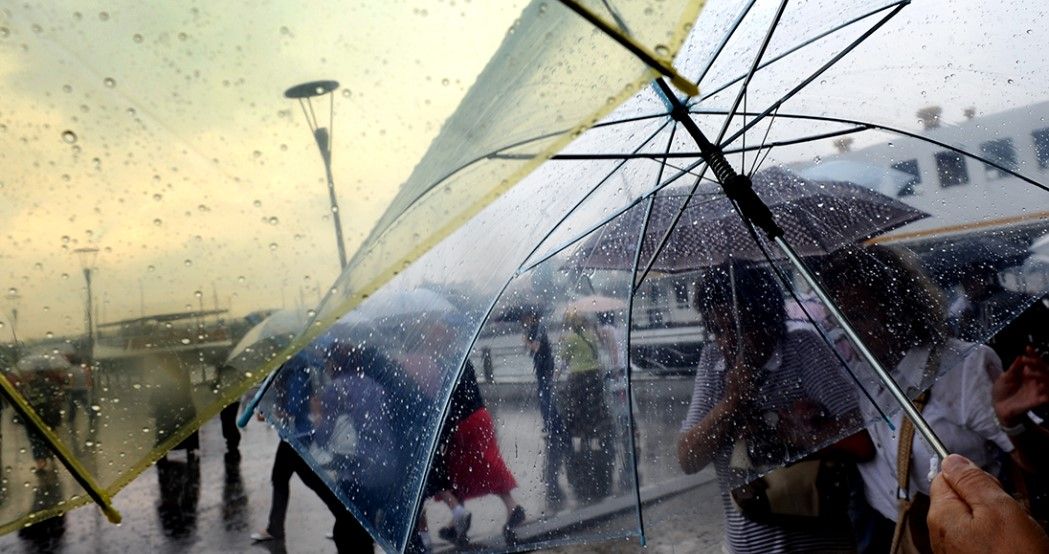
[[517, 517], [461, 524], [330, 535], [263, 536]]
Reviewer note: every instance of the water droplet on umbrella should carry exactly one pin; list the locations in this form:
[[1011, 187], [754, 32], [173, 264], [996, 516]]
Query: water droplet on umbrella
[[183, 36], [103, 16], [184, 341], [188, 262], [273, 247], [158, 222], [662, 50], [257, 203], [69, 136], [109, 82], [273, 220], [4, 32], [137, 38]]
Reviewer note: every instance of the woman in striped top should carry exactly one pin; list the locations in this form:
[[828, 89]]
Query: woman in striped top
[[765, 396]]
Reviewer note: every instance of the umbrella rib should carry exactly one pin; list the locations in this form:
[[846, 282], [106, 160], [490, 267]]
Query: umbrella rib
[[813, 76], [673, 224], [903, 133], [696, 154], [724, 42], [629, 370], [750, 74], [582, 200], [812, 40], [759, 159]]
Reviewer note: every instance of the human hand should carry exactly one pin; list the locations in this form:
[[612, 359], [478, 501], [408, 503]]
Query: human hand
[[1022, 387], [970, 512]]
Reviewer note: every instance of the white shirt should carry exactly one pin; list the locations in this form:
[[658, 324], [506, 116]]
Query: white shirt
[[959, 410]]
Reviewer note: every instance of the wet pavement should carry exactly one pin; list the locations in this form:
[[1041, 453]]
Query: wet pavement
[[214, 503]]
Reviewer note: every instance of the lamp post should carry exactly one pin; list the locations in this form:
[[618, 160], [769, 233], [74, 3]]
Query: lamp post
[[87, 263], [12, 299], [304, 93]]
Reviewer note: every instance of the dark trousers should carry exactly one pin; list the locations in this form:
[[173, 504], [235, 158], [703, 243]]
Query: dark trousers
[[350, 536], [228, 418]]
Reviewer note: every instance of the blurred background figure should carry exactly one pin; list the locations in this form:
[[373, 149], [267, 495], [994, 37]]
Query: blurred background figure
[[555, 436], [586, 414]]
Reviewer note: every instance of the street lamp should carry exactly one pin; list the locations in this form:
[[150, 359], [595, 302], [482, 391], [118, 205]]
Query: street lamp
[[87, 263], [12, 299], [304, 93]]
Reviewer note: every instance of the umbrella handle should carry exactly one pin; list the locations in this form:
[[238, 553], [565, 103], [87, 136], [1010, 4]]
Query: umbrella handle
[[249, 409]]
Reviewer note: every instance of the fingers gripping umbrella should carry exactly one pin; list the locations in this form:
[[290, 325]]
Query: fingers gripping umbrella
[[787, 59]]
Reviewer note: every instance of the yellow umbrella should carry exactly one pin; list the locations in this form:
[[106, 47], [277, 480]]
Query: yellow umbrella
[[154, 141]]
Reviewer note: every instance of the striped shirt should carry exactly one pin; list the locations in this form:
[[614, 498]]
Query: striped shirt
[[801, 370]]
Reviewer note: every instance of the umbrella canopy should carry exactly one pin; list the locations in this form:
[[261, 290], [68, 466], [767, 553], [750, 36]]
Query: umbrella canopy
[[888, 181], [782, 85], [43, 362], [278, 329], [818, 217], [160, 147], [1040, 247]]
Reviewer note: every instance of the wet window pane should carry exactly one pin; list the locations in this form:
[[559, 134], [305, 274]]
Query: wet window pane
[[1041, 147], [1001, 152], [951, 168], [909, 167]]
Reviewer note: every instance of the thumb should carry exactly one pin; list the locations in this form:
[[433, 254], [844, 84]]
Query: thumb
[[973, 486]]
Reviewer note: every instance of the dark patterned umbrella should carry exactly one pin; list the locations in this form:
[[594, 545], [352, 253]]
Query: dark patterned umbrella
[[818, 217]]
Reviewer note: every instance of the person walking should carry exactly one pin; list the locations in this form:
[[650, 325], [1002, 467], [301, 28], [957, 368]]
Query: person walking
[[555, 436]]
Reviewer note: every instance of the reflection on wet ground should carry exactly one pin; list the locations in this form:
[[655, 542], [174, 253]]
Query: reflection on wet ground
[[211, 503]]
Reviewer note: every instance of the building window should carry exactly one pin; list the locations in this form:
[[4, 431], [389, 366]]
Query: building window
[[1041, 147], [681, 293], [910, 167], [951, 168], [1002, 153]]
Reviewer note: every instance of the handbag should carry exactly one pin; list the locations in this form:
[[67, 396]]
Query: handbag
[[809, 492]]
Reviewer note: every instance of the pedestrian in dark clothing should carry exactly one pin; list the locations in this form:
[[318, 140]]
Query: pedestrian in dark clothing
[[348, 534], [555, 435]]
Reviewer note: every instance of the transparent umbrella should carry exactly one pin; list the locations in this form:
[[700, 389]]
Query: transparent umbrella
[[782, 84], [158, 141]]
